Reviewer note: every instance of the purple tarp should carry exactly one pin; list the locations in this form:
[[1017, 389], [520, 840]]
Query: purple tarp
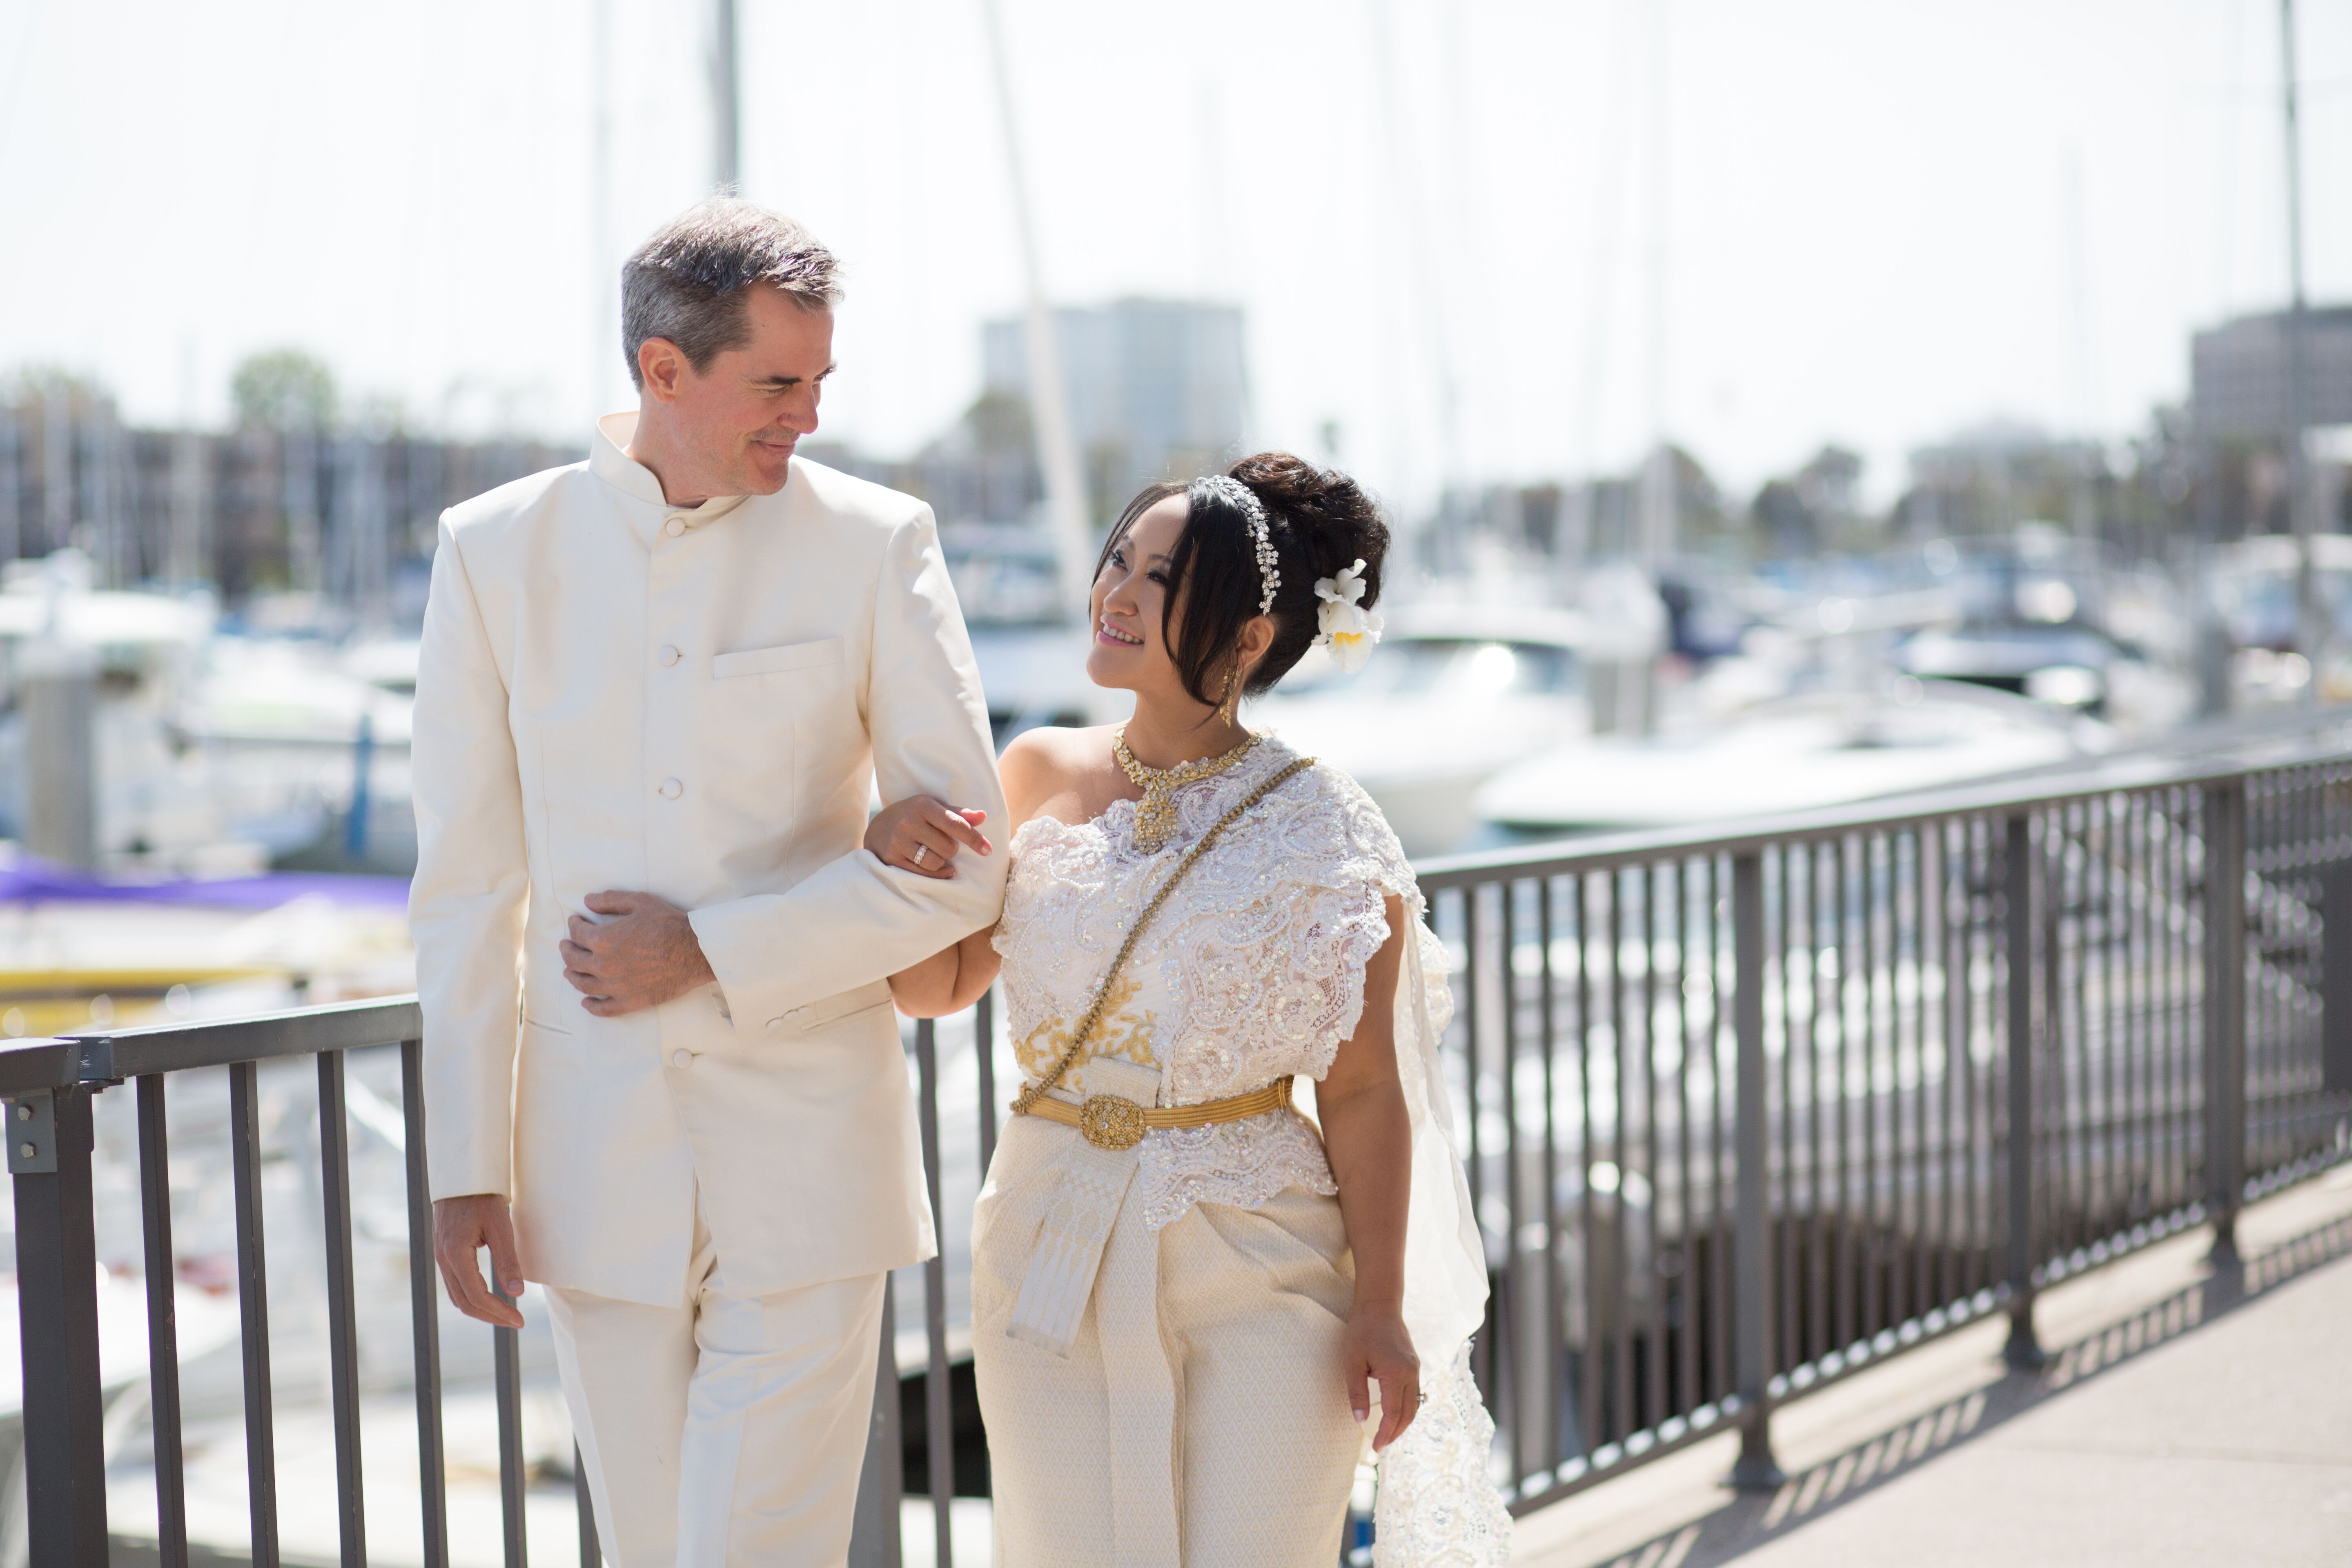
[[34, 882]]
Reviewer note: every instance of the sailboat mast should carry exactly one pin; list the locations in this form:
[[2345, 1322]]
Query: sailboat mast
[[605, 334], [1049, 405], [725, 108], [2310, 617]]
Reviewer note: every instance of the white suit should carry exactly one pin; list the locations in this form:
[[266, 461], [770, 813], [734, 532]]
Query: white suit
[[616, 693]]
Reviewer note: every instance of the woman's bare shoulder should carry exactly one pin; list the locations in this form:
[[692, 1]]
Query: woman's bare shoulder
[[1038, 765]]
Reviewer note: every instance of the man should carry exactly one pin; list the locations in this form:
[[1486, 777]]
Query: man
[[655, 692]]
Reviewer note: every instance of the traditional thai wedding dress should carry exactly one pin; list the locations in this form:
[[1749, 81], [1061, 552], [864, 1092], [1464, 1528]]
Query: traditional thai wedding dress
[[1157, 1330]]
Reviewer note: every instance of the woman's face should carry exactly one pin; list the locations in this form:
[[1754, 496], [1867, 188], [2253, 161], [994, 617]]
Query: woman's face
[[1130, 592]]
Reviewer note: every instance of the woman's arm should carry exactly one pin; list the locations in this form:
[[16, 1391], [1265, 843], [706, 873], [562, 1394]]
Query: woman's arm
[[950, 979], [955, 977], [1367, 1133]]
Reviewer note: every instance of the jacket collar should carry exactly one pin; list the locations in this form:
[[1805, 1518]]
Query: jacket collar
[[609, 460]]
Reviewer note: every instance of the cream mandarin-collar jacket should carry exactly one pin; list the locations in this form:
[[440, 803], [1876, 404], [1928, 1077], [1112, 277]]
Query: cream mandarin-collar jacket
[[618, 693]]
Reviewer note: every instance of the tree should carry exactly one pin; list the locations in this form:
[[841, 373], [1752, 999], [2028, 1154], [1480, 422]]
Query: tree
[[284, 389]]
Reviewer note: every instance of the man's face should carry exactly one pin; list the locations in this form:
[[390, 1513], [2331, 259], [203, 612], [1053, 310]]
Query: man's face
[[738, 419]]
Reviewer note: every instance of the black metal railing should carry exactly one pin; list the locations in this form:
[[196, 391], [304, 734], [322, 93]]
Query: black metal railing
[[1744, 1111]]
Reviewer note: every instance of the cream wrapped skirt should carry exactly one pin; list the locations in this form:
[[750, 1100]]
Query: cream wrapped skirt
[[1200, 1419]]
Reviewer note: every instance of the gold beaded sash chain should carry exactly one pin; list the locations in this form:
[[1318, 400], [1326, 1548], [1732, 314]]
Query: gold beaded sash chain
[[1035, 1091]]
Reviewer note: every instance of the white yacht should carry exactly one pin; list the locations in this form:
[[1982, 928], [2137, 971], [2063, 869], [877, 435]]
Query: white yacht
[[1790, 754], [1453, 696]]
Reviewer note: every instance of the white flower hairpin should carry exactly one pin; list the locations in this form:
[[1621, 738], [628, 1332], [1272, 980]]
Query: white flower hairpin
[[1348, 628]]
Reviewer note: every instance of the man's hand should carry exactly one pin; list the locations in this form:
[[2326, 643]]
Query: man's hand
[[641, 955], [463, 1227]]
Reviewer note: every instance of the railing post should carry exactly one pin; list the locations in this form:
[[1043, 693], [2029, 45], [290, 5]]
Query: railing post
[[2225, 1012], [1751, 1282], [882, 1484], [2023, 1350], [57, 1281]]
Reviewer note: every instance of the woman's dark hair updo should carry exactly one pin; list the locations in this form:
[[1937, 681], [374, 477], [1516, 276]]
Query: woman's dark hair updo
[[1322, 523]]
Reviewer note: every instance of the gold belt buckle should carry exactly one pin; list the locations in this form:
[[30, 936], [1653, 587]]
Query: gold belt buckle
[[1108, 1122]]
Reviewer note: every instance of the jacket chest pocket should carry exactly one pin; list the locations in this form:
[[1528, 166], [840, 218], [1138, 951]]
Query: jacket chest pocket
[[758, 705], [783, 659]]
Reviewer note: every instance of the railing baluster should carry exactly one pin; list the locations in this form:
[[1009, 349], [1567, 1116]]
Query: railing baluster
[[253, 1303], [1555, 1302], [506, 1358], [342, 1343], [1482, 1349], [1510, 1387], [2225, 1039], [983, 1049], [939, 1410], [162, 1326], [1722, 1198], [56, 1274], [1751, 1261], [425, 1311], [1624, 1417], [1590, 1360], [592, 1554], [881, 1482], [2021, 1048]]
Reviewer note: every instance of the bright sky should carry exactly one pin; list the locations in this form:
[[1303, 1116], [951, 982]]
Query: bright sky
[[1870, 222]]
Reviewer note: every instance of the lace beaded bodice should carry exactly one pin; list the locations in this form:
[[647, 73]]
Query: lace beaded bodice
[[1252, 969]]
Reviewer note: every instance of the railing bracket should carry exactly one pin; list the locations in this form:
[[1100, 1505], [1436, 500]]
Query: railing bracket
[[33, 1133]]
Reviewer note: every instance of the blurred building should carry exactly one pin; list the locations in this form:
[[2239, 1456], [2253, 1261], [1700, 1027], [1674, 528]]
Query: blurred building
[[2238, 375], [344, 516], [2238, 421], [1987, 481], [1158, 388]]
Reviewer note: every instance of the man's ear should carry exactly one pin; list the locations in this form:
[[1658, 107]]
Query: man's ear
[[663, 366]]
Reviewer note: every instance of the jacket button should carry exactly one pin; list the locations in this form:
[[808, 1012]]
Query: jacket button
[[674, 527], [681, 1059], [671, 789], [669, 655]]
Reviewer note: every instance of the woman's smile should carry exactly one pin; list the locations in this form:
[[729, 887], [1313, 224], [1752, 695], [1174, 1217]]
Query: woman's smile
[[1106, 633]]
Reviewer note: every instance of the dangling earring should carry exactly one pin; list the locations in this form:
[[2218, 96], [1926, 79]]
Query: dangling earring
[[1230, 699]]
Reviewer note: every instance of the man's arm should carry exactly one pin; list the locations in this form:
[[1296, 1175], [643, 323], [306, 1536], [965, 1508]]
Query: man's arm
[[857, 920], [467, 905]]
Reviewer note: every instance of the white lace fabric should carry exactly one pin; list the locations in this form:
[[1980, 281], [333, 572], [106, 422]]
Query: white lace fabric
[[1254, 968]]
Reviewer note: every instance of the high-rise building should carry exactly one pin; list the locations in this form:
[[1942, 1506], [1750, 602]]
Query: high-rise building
[[2238, 375], [1158, 388]]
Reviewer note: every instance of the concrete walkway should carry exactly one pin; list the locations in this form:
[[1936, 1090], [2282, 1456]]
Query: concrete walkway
[[2188, 1417]]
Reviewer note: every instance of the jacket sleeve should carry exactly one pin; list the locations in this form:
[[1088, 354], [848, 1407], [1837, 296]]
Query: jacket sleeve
[[467, 904], [856, 920]]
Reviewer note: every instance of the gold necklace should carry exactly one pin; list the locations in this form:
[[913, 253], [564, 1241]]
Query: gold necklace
[[1155, 813]]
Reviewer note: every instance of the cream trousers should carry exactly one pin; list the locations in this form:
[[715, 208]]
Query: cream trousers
[[726, 1432], [1201, 1418]]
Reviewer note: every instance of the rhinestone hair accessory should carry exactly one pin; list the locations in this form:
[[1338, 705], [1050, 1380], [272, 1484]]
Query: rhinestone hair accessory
[[1242, 496]]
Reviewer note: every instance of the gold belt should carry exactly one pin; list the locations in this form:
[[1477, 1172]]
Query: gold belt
[[1110, 1121]]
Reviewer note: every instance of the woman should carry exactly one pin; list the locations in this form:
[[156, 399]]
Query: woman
[[1183, 1301]]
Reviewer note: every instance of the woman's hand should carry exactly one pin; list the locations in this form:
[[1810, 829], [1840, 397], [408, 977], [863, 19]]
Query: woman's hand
[[1379, 1350], [919, 835]]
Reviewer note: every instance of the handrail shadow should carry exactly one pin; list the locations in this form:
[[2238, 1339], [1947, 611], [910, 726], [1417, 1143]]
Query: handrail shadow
[[1749, 1520]]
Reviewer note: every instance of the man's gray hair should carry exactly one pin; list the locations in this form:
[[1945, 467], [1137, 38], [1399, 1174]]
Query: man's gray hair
[[687, 282]]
